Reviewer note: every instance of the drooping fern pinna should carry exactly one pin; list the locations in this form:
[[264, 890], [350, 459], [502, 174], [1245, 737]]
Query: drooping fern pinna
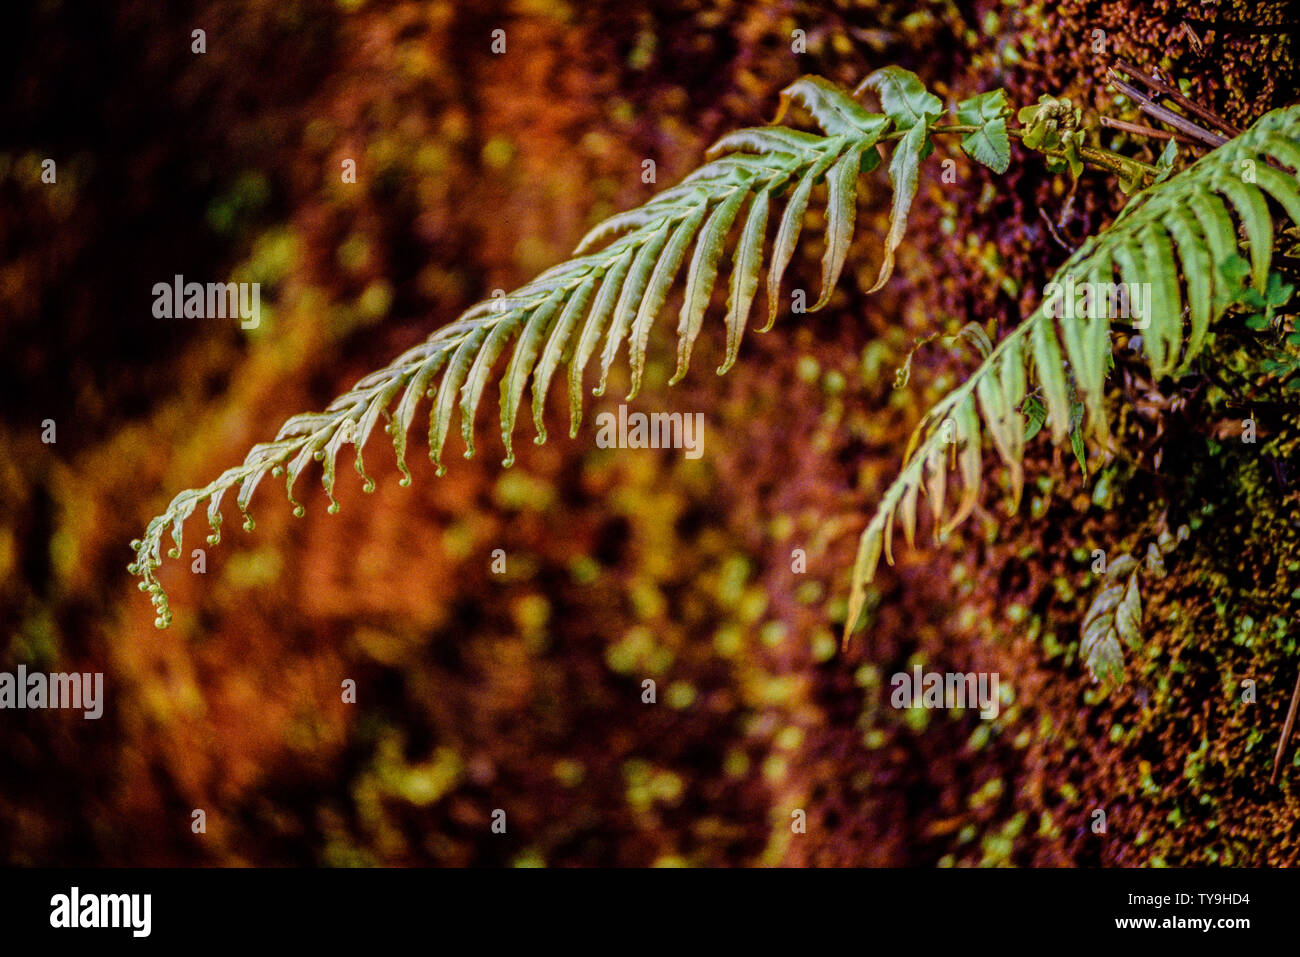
[[624, 270]]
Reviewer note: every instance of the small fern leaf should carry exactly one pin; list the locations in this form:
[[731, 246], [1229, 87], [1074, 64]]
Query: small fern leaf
[[1094, 359], [907, 513], [615, 226], [661, 280], [601, 310], [767, 139], [1220, 237], [1253, 213], [1281, 148], [1281, 187], [1194, 259], [374, 403], [701, 277], [744, 274], [634, 288], [904, 169], [402, 421], [472, 391], [841, 210], [556, 346], [270, 455], [1115, 614], [868, 557], [1130, 260], [521, 364], [1003, 422], [1128, 615], [835, 112], [1100, 650], [787, 235], [903, 97], [990, 144], [445, 404], [1164, 324], [1051, 377], [970, 460]]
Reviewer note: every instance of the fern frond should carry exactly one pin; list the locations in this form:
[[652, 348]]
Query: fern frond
[[1115, 613], [1172, 236], [610, 294]]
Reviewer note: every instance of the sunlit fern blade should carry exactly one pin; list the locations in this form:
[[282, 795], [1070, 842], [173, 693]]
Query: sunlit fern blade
[[744, 274], [602, 308], [452, 380], [787, 235], [701, 277], [559, 343], [476, 380], [841, 211], [522, 363], [633, 292], [656, 293]]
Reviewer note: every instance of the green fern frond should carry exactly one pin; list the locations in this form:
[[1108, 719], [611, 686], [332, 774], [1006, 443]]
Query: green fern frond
[[610, 294], [1185, 226], [1116, 613]]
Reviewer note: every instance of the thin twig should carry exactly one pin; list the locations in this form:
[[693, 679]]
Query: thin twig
[[1192, 38], [1166, 115], [1055, 233], [1286, 731], [1150, 131], [1180, 98], [1067, 208]]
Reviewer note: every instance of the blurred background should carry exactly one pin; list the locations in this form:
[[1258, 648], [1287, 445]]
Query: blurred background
[[522, 692]]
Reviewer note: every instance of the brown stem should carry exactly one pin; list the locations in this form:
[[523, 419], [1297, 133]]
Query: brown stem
[[1111, 161], [1165, 115], [1286, 731], [1178, 97], [1056, 233], [1149, 131]]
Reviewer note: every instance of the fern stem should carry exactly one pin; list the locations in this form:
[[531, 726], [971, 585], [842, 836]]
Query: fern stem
[[1098, 157], [1149, 131]]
